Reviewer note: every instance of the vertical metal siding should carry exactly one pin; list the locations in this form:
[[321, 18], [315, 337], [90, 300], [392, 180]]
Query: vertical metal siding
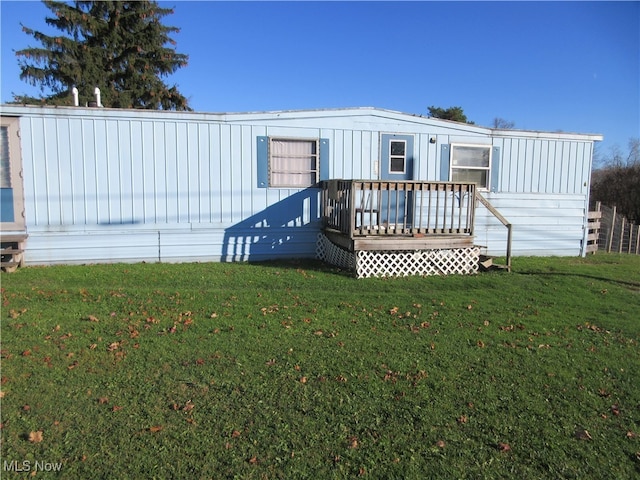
[[150, 188], [544, 166]]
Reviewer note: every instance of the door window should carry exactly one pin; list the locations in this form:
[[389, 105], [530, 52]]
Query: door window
[[397, 156]]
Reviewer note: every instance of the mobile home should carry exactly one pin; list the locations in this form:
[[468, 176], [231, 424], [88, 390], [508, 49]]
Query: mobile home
[[91, 185]]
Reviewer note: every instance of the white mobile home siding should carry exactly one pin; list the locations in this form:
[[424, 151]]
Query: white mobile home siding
[[543, 191], [105, 185]]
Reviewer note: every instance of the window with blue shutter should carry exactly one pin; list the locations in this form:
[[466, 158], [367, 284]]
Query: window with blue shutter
[[6, 189], [479, 164], [291, 162]]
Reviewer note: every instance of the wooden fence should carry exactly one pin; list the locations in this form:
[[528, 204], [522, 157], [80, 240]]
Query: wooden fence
[[611, 232]]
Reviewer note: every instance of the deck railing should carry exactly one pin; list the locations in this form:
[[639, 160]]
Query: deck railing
[[406, 208]]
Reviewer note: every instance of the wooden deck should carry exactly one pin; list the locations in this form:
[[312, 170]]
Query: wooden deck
[[400, 215]]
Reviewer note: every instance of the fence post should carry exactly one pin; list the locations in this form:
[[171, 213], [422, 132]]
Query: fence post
[[613, 224], [621, 235], [638, 241]]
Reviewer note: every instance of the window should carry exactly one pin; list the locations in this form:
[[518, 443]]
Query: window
[[397, 156], [5, 166], [293, 163], [11, 193], [471, 163]]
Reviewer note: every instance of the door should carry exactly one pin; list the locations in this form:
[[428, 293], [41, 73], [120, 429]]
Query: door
[[11, 189], [396, 163]]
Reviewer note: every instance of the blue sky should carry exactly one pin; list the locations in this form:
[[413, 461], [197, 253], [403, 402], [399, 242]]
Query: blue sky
[[570, 66]]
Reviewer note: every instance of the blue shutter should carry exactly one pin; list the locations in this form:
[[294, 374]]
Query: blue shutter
[[324, 159], [6, 205], [495, 169], [262, 151], [445, 162]]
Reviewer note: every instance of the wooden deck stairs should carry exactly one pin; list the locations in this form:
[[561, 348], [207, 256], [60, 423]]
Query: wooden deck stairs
[[487, 265], [11, 251]]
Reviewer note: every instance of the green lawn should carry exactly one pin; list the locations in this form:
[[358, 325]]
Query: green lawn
[[299, 371]]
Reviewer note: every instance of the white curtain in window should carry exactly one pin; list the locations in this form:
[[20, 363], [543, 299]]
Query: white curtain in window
[[293, 179], [293, 155], [293, 163]]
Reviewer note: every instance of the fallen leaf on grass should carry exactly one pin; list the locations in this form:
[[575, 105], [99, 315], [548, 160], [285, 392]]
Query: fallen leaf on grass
[[253, 460], [441, 444], [103, 400], [92, 318], [155, 428], [116, 408], [504, 447], [615, 410], [35, 437], [582, 434]]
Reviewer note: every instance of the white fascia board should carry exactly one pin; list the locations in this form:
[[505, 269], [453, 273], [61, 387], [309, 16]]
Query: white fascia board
[[584, 137]]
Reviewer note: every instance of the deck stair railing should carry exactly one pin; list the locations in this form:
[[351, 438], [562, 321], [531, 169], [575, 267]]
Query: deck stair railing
[[359, 208], [504, 222]]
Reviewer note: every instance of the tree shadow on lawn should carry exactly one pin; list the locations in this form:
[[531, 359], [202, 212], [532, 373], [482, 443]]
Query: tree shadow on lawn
[[633, 286]]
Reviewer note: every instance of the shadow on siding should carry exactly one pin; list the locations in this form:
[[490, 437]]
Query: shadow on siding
[[287, 229]]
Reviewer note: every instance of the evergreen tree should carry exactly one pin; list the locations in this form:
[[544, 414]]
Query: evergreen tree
[[455, 114], [117, 46]]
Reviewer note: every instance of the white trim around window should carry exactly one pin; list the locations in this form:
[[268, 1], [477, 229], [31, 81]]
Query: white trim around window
[[293, 162], [397, 156], [471, 163]]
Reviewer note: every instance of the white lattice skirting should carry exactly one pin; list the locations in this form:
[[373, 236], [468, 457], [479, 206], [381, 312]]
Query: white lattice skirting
[[330, 253], [397, 263]]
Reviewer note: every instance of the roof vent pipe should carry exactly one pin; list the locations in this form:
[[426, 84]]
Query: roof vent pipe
[[74, 92], [96, 92]]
